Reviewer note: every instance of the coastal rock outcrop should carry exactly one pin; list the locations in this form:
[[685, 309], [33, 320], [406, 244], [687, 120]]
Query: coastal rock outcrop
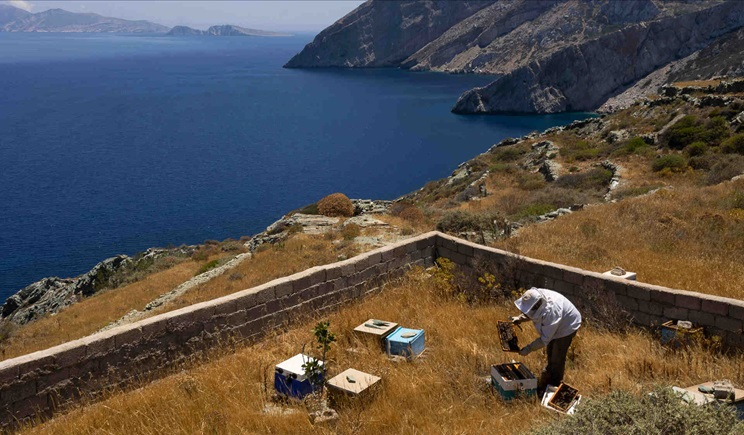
[[582, 77], [547, 55], [50, 295], [383, 33]]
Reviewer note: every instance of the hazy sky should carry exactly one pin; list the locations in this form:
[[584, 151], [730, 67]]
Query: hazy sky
[[296, 16]]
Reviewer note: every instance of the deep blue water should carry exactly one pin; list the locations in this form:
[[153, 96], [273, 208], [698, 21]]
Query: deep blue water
[[113, 143]]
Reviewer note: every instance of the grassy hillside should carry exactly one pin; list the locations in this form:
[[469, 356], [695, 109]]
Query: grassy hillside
[[443, 391]]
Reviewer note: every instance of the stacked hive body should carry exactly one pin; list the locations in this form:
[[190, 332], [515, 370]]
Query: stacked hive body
[[513, 380], [290, 379], [405, 342]]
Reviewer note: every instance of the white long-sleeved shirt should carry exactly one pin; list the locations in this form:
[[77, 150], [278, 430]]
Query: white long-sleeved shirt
[[556, 318]]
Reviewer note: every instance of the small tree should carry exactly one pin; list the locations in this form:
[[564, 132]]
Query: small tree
[[315, 369]]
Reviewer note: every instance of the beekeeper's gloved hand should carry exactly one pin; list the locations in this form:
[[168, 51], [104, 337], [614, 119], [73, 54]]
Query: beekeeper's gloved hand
[[535, 345], [518, 319]]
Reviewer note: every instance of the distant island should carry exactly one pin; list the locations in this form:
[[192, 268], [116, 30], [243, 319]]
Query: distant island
[[13, 19], [223, 30]]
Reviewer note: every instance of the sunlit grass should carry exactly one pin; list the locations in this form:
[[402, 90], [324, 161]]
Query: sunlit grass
[[442, 392]]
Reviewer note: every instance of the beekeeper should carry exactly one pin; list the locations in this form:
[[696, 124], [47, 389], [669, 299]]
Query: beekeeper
[[556, 320]]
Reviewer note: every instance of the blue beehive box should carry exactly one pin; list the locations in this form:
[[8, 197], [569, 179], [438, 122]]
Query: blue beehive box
[[405, 342], [290, 379]]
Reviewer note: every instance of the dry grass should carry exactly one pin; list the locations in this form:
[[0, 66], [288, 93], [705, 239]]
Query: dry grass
[[689, 238], [274, 261], [442, 392], [91, 314]]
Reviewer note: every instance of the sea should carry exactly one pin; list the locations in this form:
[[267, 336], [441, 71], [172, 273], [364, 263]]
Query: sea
[[111, 144]]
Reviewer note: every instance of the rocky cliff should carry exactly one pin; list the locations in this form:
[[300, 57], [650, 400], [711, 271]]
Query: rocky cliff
[[581, 77], [548, 55], [59, 20], [382, 33]]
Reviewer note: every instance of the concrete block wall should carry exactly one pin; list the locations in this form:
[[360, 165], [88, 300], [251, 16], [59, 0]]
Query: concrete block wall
[[649, 305], [44, 382]]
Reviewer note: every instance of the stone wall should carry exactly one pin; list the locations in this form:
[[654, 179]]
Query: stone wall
[[649, 305], [43, 382]]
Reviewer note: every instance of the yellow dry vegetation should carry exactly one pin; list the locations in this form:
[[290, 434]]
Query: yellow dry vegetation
[[294, 255], [688, 237], [95, 312], [444, 391]]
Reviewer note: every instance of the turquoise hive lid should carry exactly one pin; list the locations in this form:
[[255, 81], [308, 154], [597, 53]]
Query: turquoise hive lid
[[398, 335]]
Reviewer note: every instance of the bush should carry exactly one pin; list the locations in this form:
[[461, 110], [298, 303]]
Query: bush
[[508, 153], [581, 150], [716, 129], [336, 204], [530, 181], [207, 266], [534, 209], [662, 412], [671, 162], [727, 168], [596, 178], [686, 131], [635, 145], [351, 231], [696, 149], [734, 144], [459, 221]]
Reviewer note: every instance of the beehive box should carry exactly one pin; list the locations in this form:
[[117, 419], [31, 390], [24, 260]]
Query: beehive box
[[376, 330], [405, 342], [675, 336], [290, 379], [562, 398], [513, 380], [351, 384]]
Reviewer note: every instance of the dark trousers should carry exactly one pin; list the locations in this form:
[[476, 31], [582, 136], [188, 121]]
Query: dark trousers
[[552, 374]]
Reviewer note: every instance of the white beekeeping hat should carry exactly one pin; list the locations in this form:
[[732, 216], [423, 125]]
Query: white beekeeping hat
[[528, 300]]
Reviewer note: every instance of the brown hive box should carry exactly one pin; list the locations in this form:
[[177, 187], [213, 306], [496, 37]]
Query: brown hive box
[[375, 330]]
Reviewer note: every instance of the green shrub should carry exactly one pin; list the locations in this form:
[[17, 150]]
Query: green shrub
[[734, 144], [696, 149], [580, 150], [351, 231], [309, 209], [530, 181], [672, 162], [595, 178], [716, 129], [635, 145], [207, 266], [727, 167], [458, 221], [508, 153], [535, 209], [663, 412], [686, 131], [336, 204]]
